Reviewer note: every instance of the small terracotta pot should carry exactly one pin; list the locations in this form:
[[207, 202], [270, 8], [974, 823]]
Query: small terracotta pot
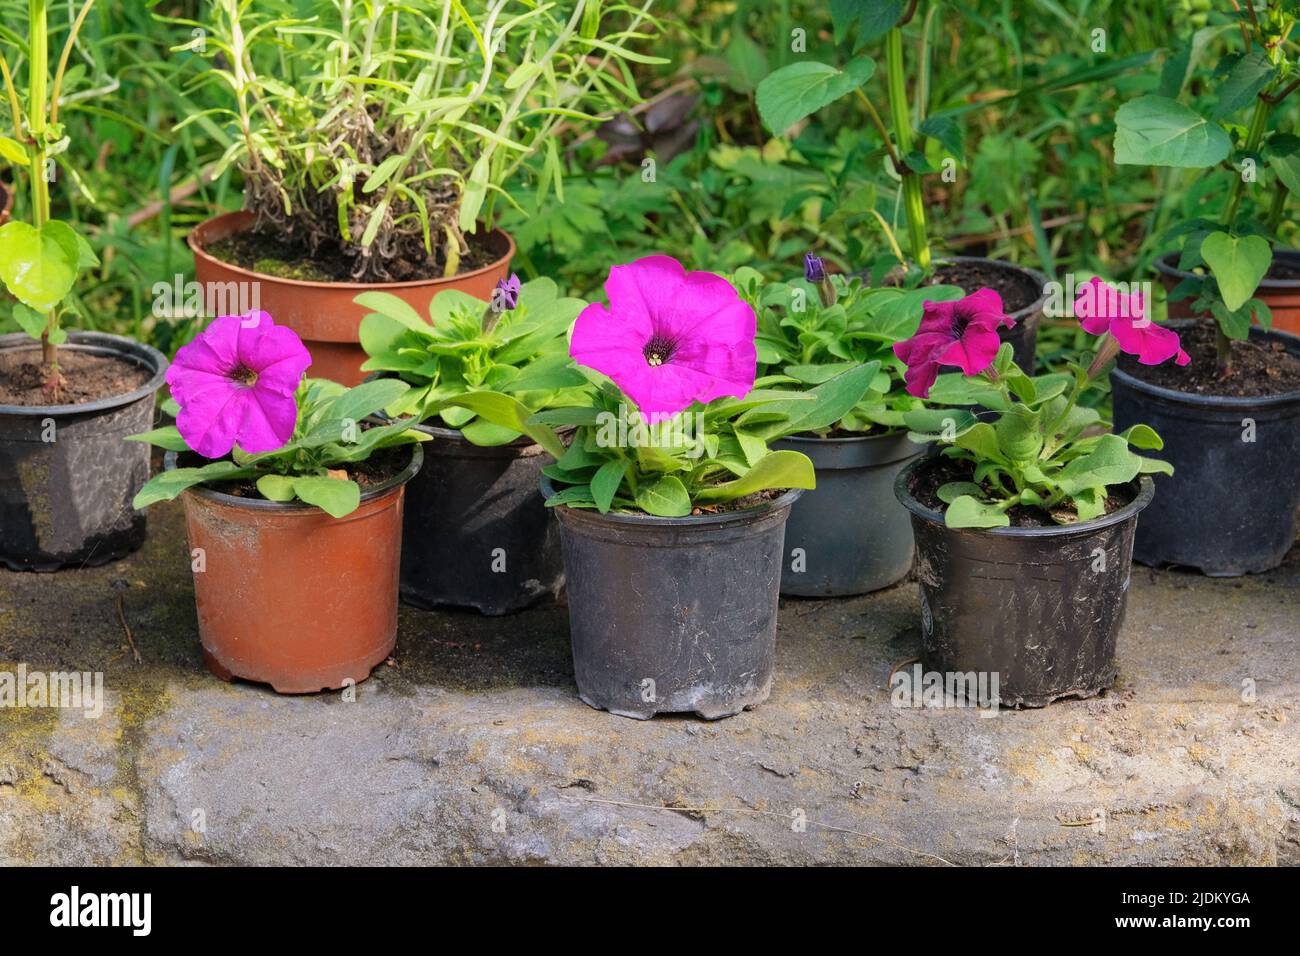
[[1282, 296], [289, 596], [323, 313]]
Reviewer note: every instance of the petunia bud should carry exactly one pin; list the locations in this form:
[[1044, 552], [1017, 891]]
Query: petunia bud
[[504, 299], [814, 269]]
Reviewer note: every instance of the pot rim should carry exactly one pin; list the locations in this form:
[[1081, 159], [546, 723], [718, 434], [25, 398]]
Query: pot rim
[[1163, 264], [1146, 491], [1215, 401], [101, 343], [689, 521], [286, 507], [1041, 278], [199, 252]]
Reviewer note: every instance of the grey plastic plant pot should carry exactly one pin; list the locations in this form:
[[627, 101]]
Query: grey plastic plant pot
[[476, 534], [1023, 336], [67, 474], [1230, 507], [673, 615], [849, 535], [1040, 608]]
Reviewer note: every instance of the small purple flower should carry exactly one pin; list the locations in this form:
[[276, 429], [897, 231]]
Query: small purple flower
[[506, 295], [235, 384], [814, 269]]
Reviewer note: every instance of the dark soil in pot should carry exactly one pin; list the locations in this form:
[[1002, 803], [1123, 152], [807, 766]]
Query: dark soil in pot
[[477, 533], [1230, 506], [674, 615], [1039, 607], [67, 474], [289, 596], [849, 535]]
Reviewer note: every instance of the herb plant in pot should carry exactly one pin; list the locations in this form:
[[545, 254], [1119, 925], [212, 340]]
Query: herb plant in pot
[[477, 534], [67, 401], [1231, 419], [375, 140], [798, 90], [850, 536], [672, 507], [1024, 523], [293, 504]]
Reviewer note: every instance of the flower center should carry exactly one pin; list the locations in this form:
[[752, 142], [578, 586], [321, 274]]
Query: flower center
[[659, 350], [960, 319], [244, 375]]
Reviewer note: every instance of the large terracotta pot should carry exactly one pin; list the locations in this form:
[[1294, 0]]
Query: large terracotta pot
[[323, 313], [291, 597], [1282, 296]]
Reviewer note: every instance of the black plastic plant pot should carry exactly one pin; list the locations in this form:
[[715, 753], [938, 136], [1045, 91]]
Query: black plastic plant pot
[[849, 535], [67, 475], [1023, 336], [1036, 609], [475, 533], [674, 615], [1230, 506]]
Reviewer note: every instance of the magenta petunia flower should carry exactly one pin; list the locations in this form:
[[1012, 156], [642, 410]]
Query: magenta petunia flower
[[669, 337], [235, 385], [962, 333], [1102, 308]]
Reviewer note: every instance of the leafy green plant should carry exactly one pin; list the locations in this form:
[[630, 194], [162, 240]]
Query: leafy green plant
[[1234, 253], [330, 435], [810, 332], [695, 460], [384, 132], [40, 260], [482, 369]]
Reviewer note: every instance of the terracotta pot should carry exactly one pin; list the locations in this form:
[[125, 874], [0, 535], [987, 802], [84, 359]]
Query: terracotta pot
[[323, 313], [289, 596], [1282, 296]]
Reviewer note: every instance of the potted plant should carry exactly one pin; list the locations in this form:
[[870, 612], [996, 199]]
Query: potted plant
[[1024, 522], [798, 90], [374, 151], [671, 505], [66, 400], [1231, 419], [849, 536], [477, 534], [293, 504]]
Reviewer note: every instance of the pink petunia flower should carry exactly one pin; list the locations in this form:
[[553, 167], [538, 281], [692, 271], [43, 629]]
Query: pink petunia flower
[[235, 385], [669, 337], [962, 333], [1102, 308]]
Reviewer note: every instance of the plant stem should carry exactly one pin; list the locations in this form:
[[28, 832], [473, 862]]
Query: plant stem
[[900, 116], [38, 65]]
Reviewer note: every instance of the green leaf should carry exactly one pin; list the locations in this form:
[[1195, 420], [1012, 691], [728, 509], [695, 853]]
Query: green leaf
[[166, 437], [968, 512], [39, 266], [789, 94], [1109, 463], [361, 401], [1142, 436], [337, 497], [1019, 433], [1283, 154], [1158, 131], [951, 491], [1154, 466], [665, 497], [13, 151], [169, 484], [874, 18], [605, 483], [778, 469], [29, 320], [1247, 77], [1239, 263], [385, 303], [981, 439], [276, 487], [510, 413]]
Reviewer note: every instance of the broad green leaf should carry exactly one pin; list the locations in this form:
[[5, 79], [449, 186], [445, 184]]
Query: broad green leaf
[[605, 483], [39, 266], [1247, 77], [950, 492], [665, 497], [1019, 433], [1142, 436], [1158, 131], [337, 497], [276, 487], [385, 303], [874, 18], [1282, 152], [29, 320], [778, 469], [1239, 263], [793, 92], [981, 439], [1154, 466], [167, 437], [1109, 463], [169, 484], [13, 151], [968, 512], [510, 413], [363, 400]]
